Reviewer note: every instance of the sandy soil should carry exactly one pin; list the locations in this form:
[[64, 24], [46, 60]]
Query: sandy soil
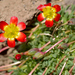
[[24, 10]]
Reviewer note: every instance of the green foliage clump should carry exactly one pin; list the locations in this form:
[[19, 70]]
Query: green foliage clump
[[40, 37]]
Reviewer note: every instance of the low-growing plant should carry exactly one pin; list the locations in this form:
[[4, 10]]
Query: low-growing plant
[[48, 48]]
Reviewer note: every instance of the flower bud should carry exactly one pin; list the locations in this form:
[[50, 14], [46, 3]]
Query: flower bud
[[63, 46], [38, 55], [18, 57], [31, 51]]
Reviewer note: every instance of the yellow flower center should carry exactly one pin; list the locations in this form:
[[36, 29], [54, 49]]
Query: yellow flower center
[[49, 12], [11, 31]]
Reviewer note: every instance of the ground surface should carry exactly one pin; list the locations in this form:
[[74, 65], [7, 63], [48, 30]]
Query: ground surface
[[24, 10]]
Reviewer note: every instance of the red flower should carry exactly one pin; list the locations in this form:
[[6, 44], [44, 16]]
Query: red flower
[[49, 13], [18, 57], [12, 31]]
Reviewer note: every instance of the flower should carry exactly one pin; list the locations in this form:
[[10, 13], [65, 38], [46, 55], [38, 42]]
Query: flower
[[12, 31], [49, 13], [18, 57]]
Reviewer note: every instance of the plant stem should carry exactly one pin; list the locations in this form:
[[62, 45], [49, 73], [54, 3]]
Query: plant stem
[[15, 67], [74, 60], [9, 73], [9, 69], [72, 66], [39, 49], [57, 65], [44, 34], [34, 69], [10, 64], [55, 45], [65, 45], [45, 71], [44, 46], [63, 67], [71, 69], [3, 49], [33, 31], [60, 62], [71, 42], [63, 24], [24, 62], [65, 32]]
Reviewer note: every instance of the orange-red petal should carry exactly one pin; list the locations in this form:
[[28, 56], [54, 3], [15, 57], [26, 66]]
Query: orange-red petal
[[40, 17], [49, 4], [2, 38], [21, 25], [14, 20], [40, 7], [49, 23], [57, 17], [57, 7], [11, 43], [21, 37], [2, 25]]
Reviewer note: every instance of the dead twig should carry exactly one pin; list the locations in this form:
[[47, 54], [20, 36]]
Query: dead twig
[[33, 31], [34, 69], [58, 65], [13, 64], [63, 67], [45, 70], [10, 64], [72, 66], [3, 49]]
